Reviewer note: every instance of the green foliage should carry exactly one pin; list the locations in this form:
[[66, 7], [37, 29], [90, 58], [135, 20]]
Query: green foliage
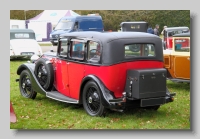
[[45, 113], [113, 18]]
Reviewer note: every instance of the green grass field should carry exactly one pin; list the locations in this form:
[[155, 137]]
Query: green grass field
[[45, 113]]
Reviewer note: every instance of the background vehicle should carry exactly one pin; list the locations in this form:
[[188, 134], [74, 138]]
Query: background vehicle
[[100, 71], [138, 26], [169, 32], [76, 23], [23, 44], [177, 59]]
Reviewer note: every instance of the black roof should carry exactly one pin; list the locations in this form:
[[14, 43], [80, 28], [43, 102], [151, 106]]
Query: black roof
[[182, 35], [110, 36], [176, 28], [113, 44], [22, 30]]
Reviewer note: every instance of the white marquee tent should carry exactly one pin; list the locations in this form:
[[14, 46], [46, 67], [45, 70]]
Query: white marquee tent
[[52, 16], [40, 23]]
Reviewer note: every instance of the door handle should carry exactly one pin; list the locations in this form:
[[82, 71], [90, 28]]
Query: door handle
[[188, 58], [67, 63]]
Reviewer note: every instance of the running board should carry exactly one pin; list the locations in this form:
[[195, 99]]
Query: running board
[[60, 97], [178, 80]]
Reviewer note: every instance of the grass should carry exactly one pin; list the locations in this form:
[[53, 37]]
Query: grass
[[45, 113], [45, 44]]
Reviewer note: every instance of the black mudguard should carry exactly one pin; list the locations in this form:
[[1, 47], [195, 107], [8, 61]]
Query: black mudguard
[[106, 95]]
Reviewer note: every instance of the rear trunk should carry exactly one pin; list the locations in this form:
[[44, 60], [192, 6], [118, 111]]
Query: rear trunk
[[147, 83]]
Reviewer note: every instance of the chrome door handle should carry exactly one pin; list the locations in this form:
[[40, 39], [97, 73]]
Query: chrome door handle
[[188, 58]]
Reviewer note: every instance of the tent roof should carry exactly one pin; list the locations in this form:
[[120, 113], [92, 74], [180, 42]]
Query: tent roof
[[53, 15]]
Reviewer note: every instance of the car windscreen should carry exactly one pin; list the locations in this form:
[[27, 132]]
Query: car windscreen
[[64, 24], [22, 35]]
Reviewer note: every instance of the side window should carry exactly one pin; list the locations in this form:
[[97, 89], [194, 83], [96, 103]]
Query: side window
[[139, 50], [182, 44], [63, 48], [77, 50], [94, 51]]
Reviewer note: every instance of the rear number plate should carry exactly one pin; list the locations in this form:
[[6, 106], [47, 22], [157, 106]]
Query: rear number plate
[[27, 53]]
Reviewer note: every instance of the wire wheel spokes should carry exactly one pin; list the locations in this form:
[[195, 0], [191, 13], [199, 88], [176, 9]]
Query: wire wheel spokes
[[26, 85], [42, 75], [93, 100]]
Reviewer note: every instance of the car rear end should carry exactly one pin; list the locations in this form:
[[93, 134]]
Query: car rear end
[[24, 48], [138, 76]]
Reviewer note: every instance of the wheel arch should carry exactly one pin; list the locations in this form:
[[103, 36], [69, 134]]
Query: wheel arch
[[106, 94]]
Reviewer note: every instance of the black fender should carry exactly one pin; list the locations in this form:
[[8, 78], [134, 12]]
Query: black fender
[[34, 82], [106, 94]]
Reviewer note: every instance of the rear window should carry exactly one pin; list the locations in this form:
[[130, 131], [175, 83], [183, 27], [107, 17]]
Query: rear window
[[22, 35], [139, 50]]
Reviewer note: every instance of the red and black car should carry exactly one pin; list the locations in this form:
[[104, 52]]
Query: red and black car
[[100, 70]]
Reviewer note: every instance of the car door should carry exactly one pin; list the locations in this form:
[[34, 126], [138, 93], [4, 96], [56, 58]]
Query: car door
[[76, 66], [61, 72], [181, 57]]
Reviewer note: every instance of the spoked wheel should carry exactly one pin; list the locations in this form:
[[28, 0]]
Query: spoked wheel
[[44, 73], [92, 99], [25, 85]]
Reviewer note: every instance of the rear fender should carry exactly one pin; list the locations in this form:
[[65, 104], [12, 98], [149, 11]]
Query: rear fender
[[34, 82], [106, 94]]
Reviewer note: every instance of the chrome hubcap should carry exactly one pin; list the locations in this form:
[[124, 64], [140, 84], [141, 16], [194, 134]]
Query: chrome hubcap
[[90, 100], [23, 85]]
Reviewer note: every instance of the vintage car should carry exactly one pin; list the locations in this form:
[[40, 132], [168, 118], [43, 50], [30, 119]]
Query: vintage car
[[177, 59], [100, 71], [137, 26], [169, 32], [23, 44]]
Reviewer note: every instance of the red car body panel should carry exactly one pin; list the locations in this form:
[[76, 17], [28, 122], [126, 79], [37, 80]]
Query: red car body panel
[[70, 74]]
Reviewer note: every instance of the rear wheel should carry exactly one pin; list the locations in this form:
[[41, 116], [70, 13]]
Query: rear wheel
[[25, 85], [92, 99]]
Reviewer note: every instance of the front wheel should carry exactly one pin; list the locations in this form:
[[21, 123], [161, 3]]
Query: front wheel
[[92, 102], [25, 85]]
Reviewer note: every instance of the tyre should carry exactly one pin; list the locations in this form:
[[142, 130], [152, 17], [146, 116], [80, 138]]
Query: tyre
[[92, 99], [44, 74], [25, 85]]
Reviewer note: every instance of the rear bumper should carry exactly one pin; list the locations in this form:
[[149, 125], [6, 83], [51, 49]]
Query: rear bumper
[[124, 101], [21, 56]]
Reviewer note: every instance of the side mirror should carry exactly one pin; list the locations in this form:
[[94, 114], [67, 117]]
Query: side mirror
[[53, 28]]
